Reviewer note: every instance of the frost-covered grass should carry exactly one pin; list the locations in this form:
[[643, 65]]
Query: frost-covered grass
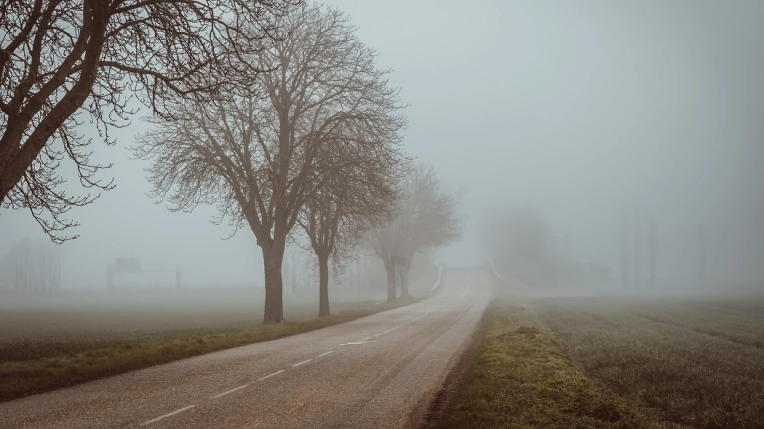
[[699, 363], [522, 378]]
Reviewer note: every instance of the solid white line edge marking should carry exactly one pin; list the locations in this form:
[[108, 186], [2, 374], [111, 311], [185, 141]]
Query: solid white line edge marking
[[229, 391], [168, 415], [271, 375], [300, 363]]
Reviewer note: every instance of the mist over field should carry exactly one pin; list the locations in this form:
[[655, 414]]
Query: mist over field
[[430, 214], [586, 112]]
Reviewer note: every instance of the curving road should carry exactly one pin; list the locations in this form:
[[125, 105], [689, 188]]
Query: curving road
[[381, 371]]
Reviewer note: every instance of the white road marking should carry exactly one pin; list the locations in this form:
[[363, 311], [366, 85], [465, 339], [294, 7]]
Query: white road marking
[[353, 343], [493, 267], [325, 353], [300, 363], [378, 303], [229, 391], [168, 415], [271, 375], [440, 268], [468, 284]]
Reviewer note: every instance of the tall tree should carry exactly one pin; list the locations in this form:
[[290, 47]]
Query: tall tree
[[258, 158], [358, 194], [66, 61]]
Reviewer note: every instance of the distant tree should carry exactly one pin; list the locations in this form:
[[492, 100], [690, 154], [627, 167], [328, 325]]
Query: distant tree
[[652, 249], [259, 158], [637, 230], [624, 248], [33, 266], [520, 242], [426, 219], [63, 62], [701, 257]]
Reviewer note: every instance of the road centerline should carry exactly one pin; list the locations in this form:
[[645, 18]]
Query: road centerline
[[229, 391], [300, 363], [273, 374], [167, 415]]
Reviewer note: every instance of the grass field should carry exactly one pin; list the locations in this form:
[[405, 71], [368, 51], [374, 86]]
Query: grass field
[[699, 363], [521, 377], [55, 340]]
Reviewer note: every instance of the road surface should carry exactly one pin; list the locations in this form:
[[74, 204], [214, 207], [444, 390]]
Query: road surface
[[381, 371]]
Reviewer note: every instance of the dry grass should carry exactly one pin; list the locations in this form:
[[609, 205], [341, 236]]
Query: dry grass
[[521, 378], [66, 347], [699, 363]]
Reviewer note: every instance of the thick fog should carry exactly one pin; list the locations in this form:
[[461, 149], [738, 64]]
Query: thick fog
[[587, 111]]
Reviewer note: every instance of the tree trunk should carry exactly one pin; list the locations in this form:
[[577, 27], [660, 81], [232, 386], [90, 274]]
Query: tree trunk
[[391, 289], [403, 272], [274, 303], [323, 284]]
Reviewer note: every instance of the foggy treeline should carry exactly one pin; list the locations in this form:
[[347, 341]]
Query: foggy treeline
[[274, 113]]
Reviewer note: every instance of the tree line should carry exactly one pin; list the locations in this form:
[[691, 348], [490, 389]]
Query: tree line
[[272, 111]]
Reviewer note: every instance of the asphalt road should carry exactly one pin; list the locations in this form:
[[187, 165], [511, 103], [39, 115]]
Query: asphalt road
[[381, 371]]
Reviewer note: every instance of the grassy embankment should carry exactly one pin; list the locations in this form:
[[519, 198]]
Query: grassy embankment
[[75, 344], [522, 378]]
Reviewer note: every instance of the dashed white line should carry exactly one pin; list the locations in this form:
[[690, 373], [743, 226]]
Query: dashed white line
[[300, 363], [325, 353], [168, 415], [353, 343], [229, 391], [271, 375]]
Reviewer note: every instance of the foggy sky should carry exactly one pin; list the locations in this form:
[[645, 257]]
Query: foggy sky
[[584, 110]]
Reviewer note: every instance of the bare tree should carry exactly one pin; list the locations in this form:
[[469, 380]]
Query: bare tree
[[701, 257], [624, 247], [257, 158], [33, 266], [426, 219], [357, 195], [652, 249], [637, 249], [66, 61]]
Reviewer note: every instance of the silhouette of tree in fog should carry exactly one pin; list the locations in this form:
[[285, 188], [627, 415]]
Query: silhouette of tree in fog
[[637, 229], [260, 159], [652, 249], [67, 61], [32, 266], [623, 243], [426, 219]]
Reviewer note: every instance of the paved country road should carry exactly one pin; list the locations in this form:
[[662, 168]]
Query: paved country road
[[381, 371]]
